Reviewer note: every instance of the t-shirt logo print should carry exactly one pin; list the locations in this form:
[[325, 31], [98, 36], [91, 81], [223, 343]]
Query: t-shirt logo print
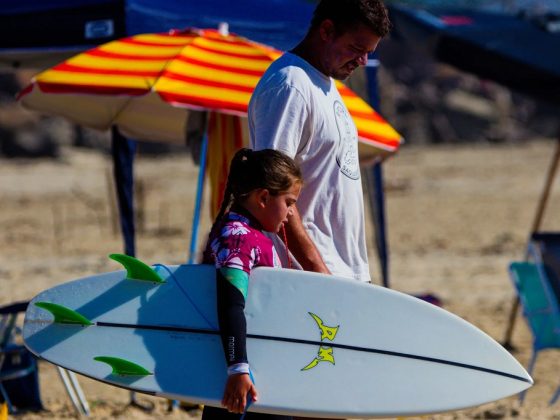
[[347, 153]]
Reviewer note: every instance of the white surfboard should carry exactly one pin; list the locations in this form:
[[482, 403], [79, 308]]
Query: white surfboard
[[317, 345]]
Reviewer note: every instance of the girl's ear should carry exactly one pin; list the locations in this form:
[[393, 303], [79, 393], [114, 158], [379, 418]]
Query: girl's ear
[[262, 197]]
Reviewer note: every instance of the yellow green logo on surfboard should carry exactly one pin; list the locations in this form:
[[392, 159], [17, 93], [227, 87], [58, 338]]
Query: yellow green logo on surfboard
[[325, 353]]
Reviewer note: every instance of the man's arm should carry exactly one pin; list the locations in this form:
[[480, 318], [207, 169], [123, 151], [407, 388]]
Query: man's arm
[[302, 247]]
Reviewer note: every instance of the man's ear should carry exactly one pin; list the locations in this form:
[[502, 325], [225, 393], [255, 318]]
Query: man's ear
[[327, 30]]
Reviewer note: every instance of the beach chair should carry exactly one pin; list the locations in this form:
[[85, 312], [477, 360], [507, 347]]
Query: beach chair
[[19, 374], [540, 308], [544, 250], [19, 381]]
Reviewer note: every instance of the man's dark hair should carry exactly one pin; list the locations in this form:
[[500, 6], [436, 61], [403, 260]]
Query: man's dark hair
[[346, 14]]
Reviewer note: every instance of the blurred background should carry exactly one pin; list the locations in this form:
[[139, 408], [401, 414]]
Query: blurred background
[[427, 101]]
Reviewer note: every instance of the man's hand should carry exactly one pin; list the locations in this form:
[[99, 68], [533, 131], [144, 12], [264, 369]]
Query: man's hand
[[302, 247]]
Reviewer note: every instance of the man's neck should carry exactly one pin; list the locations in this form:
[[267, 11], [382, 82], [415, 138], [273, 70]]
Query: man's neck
[[307, 50]]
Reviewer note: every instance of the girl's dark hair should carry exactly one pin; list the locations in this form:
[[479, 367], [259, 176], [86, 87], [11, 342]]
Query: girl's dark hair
[[346, 14], [250, 170]]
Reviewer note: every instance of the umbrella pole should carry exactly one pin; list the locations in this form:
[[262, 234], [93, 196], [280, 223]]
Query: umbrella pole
[[547, 187], [376, 199], [123, 151], [198, 202], [535, 228], [374, 181]]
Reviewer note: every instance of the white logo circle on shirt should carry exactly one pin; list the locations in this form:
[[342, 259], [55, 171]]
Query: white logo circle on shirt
[[347, 153]]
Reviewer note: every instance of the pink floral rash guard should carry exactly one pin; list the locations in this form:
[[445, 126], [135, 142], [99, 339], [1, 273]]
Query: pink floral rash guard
[[238, 244]]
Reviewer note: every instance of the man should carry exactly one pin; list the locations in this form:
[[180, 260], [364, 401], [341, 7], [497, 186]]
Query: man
[[297, 109]]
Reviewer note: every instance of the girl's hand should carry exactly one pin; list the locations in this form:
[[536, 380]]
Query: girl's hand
[[238, 388]]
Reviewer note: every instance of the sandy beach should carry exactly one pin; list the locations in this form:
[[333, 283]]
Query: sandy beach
[[457, 215]]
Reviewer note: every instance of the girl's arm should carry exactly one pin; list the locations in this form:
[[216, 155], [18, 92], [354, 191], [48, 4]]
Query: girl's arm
[[231, 292]]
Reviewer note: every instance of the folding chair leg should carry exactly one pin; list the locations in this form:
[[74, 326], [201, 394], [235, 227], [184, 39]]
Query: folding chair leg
[[81, 397], [147, 407], [74, 391], [530, 371], [555, 396], [4, 394], [532, 362]]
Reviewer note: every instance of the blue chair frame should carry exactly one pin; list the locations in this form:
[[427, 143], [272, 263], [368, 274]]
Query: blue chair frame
[[538, 286], [18, 364], [18, 367], [540, 309], [544, 250]]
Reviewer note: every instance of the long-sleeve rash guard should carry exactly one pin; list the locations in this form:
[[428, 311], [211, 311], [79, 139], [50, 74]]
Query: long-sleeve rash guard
[[231, 293], [235, 247]]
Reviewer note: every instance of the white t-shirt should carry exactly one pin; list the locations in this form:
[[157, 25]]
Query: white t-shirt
[[297, 109]]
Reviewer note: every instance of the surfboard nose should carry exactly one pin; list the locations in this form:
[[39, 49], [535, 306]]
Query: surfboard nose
[[516, 369]]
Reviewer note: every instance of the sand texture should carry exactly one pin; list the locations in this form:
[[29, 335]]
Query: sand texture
[[457, 215]]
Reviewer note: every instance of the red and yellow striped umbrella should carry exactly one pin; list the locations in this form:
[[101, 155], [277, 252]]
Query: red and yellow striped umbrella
[[145, 85]]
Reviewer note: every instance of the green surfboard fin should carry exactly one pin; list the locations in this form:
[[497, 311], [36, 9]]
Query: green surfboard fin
[[64, 315], [123, 367], [136, 269]]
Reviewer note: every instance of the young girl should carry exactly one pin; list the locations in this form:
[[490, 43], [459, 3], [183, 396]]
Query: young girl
[[261, 190]]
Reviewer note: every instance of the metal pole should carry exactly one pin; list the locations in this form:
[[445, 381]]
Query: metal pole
[[74, 391], [547, 187], [374, 182], [198, 202]]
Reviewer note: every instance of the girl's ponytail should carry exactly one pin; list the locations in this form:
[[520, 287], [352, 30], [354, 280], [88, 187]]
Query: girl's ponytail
[[232, 190]]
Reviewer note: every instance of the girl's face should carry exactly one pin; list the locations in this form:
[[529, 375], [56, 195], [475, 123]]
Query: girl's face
[[275, 209]]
